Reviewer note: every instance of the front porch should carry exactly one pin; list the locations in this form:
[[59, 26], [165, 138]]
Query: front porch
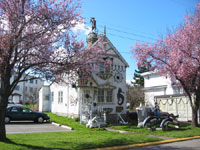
[[178, 104]]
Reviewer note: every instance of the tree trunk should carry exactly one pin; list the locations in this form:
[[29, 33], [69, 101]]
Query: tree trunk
[[3, 104], [195, 109], [194, 117], [4, 94]]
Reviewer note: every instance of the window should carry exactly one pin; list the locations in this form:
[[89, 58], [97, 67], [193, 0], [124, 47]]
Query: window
[[101, 95], [17, 88], [36, 81], [102, 68], [15, 109], [52, 96], [31, 89], [107, 68], [105, 95], [47, 97], [31, 81], [60, 96], [109, 95]]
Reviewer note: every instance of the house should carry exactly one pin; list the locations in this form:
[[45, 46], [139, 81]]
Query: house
[[170, 98], [104, 93], [26, 91]]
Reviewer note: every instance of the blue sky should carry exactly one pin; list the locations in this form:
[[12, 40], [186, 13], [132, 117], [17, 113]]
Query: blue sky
[[128, 21]]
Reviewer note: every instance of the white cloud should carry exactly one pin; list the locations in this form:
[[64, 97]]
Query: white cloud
[[81, 27]]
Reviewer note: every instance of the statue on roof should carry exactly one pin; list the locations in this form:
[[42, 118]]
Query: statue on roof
[[93, 21]]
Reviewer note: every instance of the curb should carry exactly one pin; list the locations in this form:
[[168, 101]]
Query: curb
[[63, 126], [147, 144]]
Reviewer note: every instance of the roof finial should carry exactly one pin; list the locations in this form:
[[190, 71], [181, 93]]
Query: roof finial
[[104, 30]]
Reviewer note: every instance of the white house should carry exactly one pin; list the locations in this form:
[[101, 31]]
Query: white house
[[170, 98], [26, 91], [104, 93]]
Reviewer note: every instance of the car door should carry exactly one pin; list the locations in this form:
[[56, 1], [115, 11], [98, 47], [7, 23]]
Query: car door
[[15, 113], [27, 114]]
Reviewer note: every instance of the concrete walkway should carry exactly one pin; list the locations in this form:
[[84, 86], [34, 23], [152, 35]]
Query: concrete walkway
[[128, 132]]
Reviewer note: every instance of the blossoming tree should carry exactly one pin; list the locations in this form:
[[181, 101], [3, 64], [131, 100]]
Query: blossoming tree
[[36, 41], [178, 56]]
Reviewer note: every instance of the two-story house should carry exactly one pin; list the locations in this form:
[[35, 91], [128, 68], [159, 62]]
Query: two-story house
[[105, 92], [27, 91]]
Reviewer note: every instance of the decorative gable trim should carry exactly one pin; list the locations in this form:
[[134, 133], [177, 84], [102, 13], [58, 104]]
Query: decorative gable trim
[[117, 52], [107, 85], [83, 82]]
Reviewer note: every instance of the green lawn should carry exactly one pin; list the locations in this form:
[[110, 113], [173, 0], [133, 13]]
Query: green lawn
[[71, 140], [184, 131], [79, 138]]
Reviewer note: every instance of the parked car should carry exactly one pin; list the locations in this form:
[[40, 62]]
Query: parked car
[[21, 113], [13, 104]]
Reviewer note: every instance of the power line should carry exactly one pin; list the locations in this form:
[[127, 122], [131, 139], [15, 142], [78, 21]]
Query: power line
[[129, 33], [125, 28], [125, 37]]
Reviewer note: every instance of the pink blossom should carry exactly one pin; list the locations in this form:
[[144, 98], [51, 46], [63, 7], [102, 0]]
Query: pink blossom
[[177, 55]]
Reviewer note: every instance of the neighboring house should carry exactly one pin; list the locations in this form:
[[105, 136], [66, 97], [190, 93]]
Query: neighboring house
[[170, 98], [26, 91], [104, 93]]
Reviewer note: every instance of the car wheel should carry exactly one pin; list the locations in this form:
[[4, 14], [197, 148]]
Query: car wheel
[[40, 119], [7, 119]]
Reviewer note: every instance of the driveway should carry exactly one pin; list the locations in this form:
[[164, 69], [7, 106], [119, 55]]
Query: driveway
[[31, 127]]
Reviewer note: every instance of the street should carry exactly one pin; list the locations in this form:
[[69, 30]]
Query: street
[[31, 127], [184, 145]]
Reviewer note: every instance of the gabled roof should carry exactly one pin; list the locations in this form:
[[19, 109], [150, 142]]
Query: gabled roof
[[105, 38]]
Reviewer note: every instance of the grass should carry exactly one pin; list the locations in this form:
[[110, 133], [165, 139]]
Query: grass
[[80, 138], [185, 131], [71, 140], [74, 123]]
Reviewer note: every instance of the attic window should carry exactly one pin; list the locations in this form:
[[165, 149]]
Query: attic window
[[102, 67], [105, 67]]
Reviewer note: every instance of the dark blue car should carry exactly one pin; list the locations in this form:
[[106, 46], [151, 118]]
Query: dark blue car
[[21, 113]]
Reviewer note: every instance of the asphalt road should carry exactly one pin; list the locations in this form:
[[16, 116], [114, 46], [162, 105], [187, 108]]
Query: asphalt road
[[31, 127], [184, 145]]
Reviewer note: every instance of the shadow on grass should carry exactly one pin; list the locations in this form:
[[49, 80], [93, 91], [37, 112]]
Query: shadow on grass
[[78, 146], [33, 147], [108, 143]]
